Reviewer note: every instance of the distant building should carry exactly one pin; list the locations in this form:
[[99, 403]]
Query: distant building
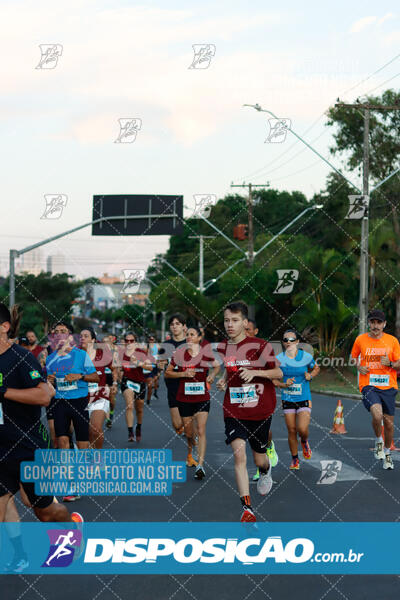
[[107, 279], [56, 263], [31, 262]]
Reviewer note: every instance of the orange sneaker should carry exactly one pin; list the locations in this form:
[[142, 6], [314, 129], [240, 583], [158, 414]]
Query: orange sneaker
[[77, 517], [247, 515], [307, 452], [180, 430], [295, 464], [190, 462]]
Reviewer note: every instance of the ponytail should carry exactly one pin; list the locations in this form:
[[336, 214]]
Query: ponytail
[[13, 317]]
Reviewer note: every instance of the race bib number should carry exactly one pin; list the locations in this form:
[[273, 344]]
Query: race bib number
[[194, 389], [379, 380], [294, 389], [1, 414], [93, 388], [66, 386], [247, 394], [132, 385]]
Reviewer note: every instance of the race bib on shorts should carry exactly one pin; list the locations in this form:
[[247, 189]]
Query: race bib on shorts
[[294, 389], [379, 380], [66, 386], [247, 394], [1, 414], [194, 389], [93, 388], [132, 385]]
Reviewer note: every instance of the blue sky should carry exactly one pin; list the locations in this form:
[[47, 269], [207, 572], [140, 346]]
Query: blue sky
[[131, 59]]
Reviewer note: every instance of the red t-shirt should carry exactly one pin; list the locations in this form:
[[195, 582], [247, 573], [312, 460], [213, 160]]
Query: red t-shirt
[[101, 389], [191, 389], [134, 373], [37, 350], [252, 401]]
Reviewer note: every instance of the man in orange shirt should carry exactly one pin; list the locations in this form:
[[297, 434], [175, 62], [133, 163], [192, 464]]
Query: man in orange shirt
[[378, 355]]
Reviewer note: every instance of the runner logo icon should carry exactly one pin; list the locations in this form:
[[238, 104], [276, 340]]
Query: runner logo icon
[[63, 544]]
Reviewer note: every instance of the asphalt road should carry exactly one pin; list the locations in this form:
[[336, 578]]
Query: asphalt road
[[362, 491]]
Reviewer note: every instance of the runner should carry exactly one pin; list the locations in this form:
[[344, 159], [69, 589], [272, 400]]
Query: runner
[[112, 379], [177, 325], [298, 368], [249, 400], [23, 391], [71, 370], [252, 331], [99, 393], [378, 355], [33, 345], [133, 384], [189, 368]]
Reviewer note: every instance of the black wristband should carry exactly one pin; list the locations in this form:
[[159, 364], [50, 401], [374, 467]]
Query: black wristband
[[3, 390]]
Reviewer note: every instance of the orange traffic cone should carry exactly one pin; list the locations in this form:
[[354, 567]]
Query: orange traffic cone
[[338, 420], [393, 448]]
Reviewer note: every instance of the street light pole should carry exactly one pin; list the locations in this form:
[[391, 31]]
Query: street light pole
[[201, 239], [364, 232]]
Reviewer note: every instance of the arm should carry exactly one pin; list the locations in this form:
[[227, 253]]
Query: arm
[[216, 369], [171, 374], [283, 384], [88, 377], [313, 373], [39, 395], [247, 375]]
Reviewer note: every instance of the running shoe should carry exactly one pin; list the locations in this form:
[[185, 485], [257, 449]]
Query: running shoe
[[388, 462], [295, 464], [247, 515], [71, 498], [256, 477], [264, 484], [272, 455], [200, 472], [378, 452], [138, 432], [190, 462], [109, 423], [77, 517], [307, 452], [131, 438], [180, 431], [17, 565]]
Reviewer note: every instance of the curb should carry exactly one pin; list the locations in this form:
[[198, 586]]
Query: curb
[[343, 395]]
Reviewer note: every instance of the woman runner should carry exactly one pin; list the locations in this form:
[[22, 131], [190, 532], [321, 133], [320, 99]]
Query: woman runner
[[298, 369], [193, 396]]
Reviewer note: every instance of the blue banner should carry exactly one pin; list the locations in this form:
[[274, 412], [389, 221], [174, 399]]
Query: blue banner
[[205, 548]]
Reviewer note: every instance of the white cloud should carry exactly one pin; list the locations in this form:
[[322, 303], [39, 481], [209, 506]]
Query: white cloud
[[362, 24]]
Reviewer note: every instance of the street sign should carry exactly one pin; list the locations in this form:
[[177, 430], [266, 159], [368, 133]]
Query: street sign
[[153, 215]]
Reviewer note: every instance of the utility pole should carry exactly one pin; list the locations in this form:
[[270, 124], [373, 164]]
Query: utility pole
[[201, 239], [364, 246], [250, 216]]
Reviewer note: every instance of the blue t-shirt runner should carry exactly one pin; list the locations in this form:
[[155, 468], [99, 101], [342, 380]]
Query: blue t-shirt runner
[[296, 368], [76, 361]]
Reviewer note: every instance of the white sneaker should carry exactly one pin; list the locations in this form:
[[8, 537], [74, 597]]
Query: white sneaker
[[264, 484], [388, 462], [378, 452]]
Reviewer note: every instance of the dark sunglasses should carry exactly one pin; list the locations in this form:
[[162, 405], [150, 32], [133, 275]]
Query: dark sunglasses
[[286, 340], [130, 340]]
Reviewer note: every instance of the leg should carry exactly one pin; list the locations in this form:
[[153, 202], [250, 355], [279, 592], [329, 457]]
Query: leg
[[176, 418], [188, 426], [55, 512], [377, 416], [96, 434], [201, 430], [52, 433], [63, 442], [261, 460], [242, 478], [128, 396], [139, 404], [302, 424], [149, 389], [290, 419], [388, 425]]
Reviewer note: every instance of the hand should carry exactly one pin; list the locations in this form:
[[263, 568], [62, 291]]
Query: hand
[[221, 384], [210, 379], [385, 360], [147, 365], [363, 370], [189, 373], [290, 381], [73, 377], [52, 388], [308, 376], [246, 374], [51, 378]]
